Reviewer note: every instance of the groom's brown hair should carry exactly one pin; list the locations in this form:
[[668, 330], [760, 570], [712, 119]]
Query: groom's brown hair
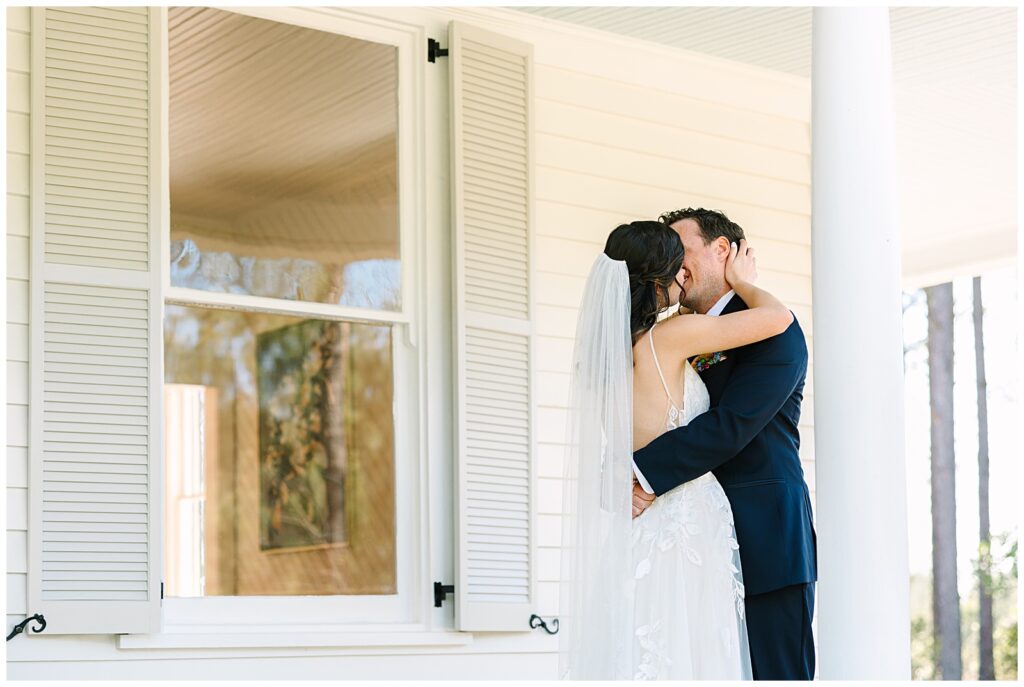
[[712, 223]]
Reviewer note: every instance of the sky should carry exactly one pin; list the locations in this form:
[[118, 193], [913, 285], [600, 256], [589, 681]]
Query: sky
[[999, 294]]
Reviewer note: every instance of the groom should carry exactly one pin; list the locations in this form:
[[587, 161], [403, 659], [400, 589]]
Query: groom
[[749, 440]]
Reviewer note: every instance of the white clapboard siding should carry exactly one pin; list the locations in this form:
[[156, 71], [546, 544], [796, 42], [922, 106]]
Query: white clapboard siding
[[16, 365], [491, 161], [95, 368]]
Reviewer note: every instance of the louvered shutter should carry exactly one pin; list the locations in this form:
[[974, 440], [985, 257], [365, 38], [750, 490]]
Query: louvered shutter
[[491, 181], [94, 493]]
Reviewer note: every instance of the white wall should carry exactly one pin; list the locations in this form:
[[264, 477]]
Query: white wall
[[17, 308], [623, 131]]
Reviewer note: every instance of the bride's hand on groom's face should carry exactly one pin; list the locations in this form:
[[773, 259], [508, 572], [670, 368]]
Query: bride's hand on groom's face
[[741, 265]]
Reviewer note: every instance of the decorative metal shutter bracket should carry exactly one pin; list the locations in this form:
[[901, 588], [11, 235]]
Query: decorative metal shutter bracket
[[20, 627]]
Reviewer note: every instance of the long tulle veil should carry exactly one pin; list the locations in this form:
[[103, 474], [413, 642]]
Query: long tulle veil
[[595, 593]]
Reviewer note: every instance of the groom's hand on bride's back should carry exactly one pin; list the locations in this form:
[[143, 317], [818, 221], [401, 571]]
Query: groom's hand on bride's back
[[641, 499]]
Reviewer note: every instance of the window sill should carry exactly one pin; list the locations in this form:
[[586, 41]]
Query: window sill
[[285, 639]]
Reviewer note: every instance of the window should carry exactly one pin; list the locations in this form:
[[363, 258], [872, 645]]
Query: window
[[245, 366], [283, 355]]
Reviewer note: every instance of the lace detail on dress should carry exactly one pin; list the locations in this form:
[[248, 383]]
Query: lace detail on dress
[[689, 621]]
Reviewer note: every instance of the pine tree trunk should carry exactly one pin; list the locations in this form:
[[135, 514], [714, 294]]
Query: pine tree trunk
[[945, 597], [986, 664]]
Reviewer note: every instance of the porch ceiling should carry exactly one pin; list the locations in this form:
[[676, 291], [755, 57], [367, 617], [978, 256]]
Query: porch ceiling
[[955, 95]]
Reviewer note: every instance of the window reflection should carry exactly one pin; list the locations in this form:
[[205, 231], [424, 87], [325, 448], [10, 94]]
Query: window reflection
[[363, 283], [283, 160], [279, 455]]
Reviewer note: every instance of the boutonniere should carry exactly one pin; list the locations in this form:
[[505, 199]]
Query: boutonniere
[[706, 360]]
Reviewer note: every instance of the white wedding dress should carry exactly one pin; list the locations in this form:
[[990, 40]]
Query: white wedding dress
[[659, 596], [688, 584]]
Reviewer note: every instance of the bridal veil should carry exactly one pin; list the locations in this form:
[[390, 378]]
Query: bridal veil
[[595, 593]]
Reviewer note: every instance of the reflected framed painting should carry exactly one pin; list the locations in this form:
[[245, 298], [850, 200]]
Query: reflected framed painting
[[301, 371]]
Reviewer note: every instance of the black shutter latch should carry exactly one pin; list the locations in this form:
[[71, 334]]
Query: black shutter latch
[[441, 591], [434, 50]]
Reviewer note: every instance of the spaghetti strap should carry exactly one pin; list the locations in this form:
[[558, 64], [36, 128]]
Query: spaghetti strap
[[650, 335]]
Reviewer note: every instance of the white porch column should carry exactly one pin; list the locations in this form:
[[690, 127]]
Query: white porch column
[[863, 579]]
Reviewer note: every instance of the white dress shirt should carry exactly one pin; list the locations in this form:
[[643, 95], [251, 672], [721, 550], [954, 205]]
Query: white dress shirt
[[718, 307], [715, 311]]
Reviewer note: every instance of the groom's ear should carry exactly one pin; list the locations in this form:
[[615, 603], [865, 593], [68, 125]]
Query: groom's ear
[[720, 248]]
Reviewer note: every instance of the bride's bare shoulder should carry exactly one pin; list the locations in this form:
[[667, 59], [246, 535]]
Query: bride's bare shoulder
[[679, 319], [677, 334]]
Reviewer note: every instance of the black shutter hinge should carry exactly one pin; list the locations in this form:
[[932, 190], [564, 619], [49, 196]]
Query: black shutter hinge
[[161, 590], [434, 50], [441, 591]]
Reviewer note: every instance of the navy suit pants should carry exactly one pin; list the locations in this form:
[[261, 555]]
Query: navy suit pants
[[779, 630]]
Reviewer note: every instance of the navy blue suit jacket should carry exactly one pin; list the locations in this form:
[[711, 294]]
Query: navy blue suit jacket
[[749, 440]]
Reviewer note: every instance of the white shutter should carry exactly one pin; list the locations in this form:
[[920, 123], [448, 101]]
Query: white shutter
[[491, 181], [96, 356]]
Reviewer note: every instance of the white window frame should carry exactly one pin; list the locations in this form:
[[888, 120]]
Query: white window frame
[[408, 608]]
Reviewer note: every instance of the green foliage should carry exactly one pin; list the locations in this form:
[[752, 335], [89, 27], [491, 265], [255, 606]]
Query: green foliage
[[1005, 634], [922, 649], [1006, 652], [1002, 580]]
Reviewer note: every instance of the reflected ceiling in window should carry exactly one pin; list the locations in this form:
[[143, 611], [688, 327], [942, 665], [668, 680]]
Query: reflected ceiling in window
[[283, 161]]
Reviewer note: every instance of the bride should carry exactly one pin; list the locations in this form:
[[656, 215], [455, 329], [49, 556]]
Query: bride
[[661, 596]]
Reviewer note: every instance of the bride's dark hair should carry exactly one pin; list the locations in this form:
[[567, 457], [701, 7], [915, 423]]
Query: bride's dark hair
[[654, 254]]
